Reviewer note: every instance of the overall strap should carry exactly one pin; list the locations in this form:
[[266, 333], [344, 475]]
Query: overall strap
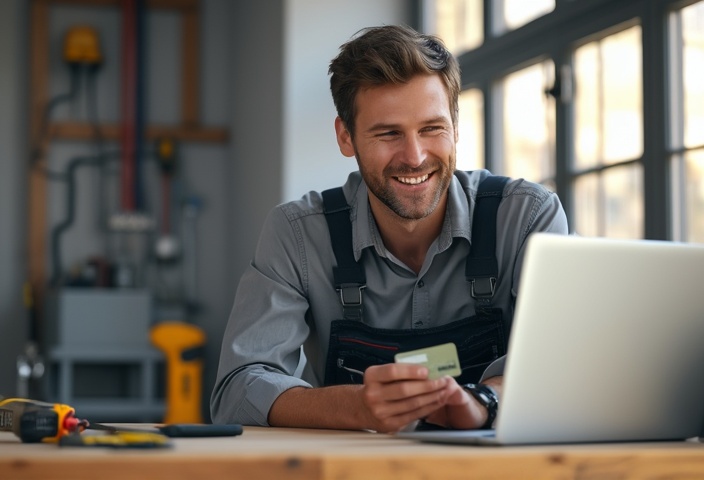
[[348, 275], [482, 268]]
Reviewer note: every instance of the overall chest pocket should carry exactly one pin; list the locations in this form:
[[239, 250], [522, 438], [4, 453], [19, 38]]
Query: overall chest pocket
[[355, 346]]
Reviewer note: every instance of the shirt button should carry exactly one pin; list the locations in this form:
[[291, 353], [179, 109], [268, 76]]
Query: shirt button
[[421, 284]]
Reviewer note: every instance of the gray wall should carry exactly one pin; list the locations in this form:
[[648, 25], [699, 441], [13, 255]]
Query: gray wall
[[13, 186], [263, 77], [312, 160]]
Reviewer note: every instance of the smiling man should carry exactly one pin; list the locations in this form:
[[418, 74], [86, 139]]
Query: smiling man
[[408, 254]]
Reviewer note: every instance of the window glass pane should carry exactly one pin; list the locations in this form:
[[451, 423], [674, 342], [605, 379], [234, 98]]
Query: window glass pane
[[519, 12], [608, 100], [470, 147], [688, 192], [687, 122], [610, 203], [529, 124], [459, 23], [693, 74], [623, 192], [586, 205], [588, 138]]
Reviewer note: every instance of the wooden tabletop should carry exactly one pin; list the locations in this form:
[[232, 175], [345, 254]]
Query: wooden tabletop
[[275, 453]]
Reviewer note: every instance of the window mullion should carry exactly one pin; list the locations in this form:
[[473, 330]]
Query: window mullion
[[655, 127], [564, 111], [493, 146], [492, 12]]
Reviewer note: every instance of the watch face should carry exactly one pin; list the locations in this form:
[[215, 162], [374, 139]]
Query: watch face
[[484, 394]]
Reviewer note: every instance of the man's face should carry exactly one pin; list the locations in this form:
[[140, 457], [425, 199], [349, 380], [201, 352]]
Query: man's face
[[404, 144]]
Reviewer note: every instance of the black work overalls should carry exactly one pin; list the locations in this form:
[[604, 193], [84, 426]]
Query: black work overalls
[[480, 339]]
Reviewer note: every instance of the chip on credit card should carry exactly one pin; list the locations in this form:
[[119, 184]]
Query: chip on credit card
[[440, 360]]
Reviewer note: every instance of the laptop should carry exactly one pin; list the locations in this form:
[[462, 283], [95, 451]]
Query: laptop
[[607, 345]]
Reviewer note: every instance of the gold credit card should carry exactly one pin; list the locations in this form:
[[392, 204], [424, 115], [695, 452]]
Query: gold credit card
[[440, 360]]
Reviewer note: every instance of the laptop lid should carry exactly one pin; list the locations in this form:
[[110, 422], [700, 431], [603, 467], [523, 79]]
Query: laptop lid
[[607, 344]]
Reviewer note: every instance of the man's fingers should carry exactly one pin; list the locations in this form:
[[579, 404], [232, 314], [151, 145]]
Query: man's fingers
[[389, 408], [394, 417], [392, 372], [407, 389], [397, 394], [396, 404]]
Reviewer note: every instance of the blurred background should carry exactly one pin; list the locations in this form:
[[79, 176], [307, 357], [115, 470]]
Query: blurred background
[[142, 143]]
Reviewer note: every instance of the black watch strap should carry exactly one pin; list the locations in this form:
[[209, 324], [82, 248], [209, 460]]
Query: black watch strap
[[487, 396]]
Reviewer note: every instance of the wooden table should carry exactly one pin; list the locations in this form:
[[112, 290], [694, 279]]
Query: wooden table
[[275, 453]]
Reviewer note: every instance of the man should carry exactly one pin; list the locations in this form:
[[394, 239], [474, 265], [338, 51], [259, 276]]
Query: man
[[388, 264]]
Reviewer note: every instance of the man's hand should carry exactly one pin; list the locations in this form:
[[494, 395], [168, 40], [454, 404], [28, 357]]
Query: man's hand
[[397, 394], [462, 410], [392, 397]]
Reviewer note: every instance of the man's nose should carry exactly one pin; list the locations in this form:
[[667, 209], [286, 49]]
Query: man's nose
[[414, 152]]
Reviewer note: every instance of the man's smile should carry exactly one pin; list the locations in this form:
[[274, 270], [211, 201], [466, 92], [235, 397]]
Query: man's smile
[[413, 180]]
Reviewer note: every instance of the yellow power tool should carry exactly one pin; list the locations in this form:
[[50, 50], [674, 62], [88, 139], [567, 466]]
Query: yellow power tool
[[183, 346], [34, 421]]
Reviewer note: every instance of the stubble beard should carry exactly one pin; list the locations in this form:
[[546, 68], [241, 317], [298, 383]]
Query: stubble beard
[[417, 206]]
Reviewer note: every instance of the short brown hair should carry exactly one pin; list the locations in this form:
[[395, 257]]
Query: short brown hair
[[390, 54]]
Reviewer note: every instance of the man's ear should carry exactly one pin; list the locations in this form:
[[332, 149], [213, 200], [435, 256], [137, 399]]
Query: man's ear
[[344, 139]]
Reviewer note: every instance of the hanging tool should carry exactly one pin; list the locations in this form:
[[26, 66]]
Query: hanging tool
[[34, 421], [183, 344], [167, 246], [30, 364]]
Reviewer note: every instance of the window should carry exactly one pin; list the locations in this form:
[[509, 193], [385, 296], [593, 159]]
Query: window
[[608, 113], [516, 13], [687, 122], [620, 135], [458, 22], [528, 116], [470, 147]]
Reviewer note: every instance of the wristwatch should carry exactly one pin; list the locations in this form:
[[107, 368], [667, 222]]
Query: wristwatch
[[488, 397]]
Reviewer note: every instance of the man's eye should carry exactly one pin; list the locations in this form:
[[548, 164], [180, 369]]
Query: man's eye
[[390, 133]]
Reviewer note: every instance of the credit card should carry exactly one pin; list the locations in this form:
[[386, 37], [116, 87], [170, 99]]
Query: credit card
[[440, 360]]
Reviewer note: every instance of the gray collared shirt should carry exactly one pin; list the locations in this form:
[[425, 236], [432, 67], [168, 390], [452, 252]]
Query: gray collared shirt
[[286, 298]]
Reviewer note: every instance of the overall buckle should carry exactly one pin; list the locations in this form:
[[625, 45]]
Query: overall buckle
[[351, 298], [483, 287]]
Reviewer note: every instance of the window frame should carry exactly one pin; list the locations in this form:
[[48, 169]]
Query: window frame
[[556, 35]]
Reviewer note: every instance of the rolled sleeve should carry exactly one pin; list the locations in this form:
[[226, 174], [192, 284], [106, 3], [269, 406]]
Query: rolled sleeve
[[247, 396], [261, 346]]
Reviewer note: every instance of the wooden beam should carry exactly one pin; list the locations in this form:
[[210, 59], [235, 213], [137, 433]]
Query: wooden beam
[[186, 133], [151, 4], [37, 201]]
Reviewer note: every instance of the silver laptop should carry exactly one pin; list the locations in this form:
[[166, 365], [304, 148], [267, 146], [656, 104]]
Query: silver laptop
[[607, 345]]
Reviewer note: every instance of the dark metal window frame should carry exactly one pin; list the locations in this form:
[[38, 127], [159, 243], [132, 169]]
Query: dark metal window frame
[[556, 35]]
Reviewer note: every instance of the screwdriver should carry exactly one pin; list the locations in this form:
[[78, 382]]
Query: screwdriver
[[35, 421]]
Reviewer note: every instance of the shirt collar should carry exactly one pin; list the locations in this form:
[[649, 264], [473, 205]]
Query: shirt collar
[[457, 222]]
